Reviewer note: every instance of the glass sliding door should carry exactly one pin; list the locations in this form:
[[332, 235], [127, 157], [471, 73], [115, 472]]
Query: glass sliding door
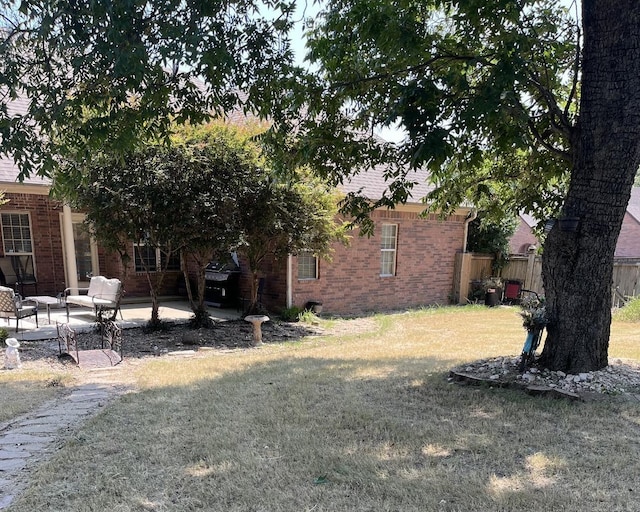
[[84, 255]]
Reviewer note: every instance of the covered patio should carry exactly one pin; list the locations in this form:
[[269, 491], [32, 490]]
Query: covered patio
[[83, 319]]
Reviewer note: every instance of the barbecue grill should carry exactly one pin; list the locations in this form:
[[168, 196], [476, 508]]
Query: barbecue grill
[[222, 284]]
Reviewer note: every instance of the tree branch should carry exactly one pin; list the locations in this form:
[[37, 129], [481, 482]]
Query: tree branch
[[410, 69]]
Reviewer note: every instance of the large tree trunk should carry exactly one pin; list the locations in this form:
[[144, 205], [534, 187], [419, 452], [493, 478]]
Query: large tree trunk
[[578, 265]]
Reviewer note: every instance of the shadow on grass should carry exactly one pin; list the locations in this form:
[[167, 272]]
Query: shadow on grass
[[329, 434]]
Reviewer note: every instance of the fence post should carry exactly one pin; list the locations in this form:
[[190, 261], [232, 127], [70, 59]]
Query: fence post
[[528, 277], [463, 283]]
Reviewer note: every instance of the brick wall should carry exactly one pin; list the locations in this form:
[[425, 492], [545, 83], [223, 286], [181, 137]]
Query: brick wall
[[351, 283], [47, 239], [135, 284], [46, 233], [522, 239]]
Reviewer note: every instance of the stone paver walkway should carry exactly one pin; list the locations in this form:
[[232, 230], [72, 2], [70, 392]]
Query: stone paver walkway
[[29, 439]]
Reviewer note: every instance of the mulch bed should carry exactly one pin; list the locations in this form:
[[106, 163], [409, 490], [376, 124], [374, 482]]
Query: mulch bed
[[139, 342]]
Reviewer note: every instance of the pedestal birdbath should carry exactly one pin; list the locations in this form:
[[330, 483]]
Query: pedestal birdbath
[[257, 321]]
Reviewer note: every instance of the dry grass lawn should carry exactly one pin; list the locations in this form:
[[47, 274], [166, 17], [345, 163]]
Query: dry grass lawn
[[356, 422], [22, 391]]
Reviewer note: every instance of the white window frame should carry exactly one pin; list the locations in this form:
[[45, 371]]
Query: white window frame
[[21, 226], [157, 264], [303, 266], [388, 249]]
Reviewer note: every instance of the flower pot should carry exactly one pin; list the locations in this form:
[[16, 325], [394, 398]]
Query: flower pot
[[314, 306], [491, 297]]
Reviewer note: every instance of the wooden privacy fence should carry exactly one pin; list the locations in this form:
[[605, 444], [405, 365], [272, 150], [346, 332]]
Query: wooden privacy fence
[[473, 268], [626, 280]]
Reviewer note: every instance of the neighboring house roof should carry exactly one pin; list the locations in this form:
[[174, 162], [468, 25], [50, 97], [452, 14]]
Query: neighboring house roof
[[633, 208], [531, 221]]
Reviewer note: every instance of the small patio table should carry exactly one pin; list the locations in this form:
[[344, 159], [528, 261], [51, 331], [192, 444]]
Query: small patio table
[[46, 300]]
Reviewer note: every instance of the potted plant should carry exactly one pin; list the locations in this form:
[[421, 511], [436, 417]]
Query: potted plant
[[534, 320], [533, 313]]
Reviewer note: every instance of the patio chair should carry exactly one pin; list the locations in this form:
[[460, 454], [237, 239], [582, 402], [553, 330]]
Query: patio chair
[[25, 275], [12, 306], [513, 291], [103, 296]]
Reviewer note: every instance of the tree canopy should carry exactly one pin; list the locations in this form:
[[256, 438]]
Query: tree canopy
[[76, 78], [517, 103], [486, 94]]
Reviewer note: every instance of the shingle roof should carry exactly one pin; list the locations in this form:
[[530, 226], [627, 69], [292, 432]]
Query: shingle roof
[[372, 183], [634, 204], [530, 220], [8, 169], [9, 174]]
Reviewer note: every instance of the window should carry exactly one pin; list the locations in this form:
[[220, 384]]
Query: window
[[16, 233], [388, 249], [154, 259], [307, 266]]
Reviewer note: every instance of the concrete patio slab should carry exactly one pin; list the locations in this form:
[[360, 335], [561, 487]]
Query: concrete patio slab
[[133, 315]]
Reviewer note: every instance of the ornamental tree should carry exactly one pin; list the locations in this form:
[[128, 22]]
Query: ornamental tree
[[204, 196], [182, 200], [133, 201], [278, 218]]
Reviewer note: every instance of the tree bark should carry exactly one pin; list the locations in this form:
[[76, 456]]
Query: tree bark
[[578, 265]]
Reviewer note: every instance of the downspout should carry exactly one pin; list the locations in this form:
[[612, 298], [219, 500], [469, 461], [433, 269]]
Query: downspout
[[473, 214], [289, 281]]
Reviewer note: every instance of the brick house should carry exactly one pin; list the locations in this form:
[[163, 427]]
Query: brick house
[[408, 262], [629, 239], [523, 239]]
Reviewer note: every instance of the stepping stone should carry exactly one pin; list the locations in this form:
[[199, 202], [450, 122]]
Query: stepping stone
[[6, 500], [43, 428], [182, 353], [11, 465], [13, 454], [88, 359], [20, 439]]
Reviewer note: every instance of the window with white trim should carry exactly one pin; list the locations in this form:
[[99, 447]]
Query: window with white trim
[[307, 266], [16, 233], [388, 249], [154, 259]]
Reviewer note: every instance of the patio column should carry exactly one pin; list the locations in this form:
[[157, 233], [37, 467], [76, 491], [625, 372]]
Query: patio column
[[69, 248]]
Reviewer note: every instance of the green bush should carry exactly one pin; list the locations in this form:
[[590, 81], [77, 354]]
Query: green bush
[[291, 314], [308, 317], [4, 334], [630, 312]]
